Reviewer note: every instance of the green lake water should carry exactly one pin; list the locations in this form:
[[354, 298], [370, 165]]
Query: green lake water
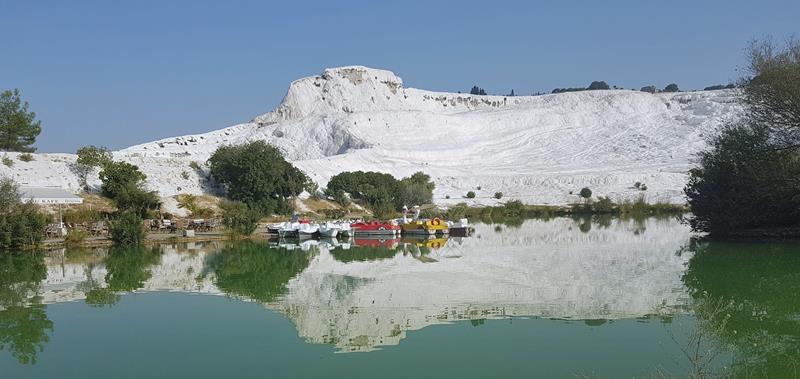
[[560, 298]]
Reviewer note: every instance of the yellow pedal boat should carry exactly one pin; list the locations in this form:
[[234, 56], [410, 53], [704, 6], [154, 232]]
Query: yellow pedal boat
[[426, 227]]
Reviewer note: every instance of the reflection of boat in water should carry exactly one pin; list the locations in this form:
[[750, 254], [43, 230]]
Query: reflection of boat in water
[[462, 228], [431, 242], [377, 228], [426, 227], [390, 243]]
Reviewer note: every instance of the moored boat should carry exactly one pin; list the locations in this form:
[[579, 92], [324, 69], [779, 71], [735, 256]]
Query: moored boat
[[381, 228], [426, 227]]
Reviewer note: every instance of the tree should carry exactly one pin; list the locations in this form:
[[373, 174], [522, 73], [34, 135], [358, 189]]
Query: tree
[[257, 174], [586, 193], [18, 128], [416, 189], [376, 190], [117, 177], [21, 224], [772, 94], [470, 195], [749, 177], [123, 183], [743, 182], [477, 91], [239, 218], [127, 229], [598, 85], [672, 87], [94, 156], [650, 89]]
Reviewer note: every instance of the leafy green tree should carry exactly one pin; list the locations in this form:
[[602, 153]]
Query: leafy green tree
[[253, 270], [585, 193], [239, 218], [477, 91], [749, 177], [257, 174], [743, 182], [21, 224], [596, 85], [672, 87], [90, 157], [94, 156], [470, 194], [416, 189], [127, 229], [18, 128], [119, 177], [375, 189]]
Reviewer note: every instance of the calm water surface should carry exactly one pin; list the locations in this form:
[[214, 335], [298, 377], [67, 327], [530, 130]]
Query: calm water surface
[[561, 298]]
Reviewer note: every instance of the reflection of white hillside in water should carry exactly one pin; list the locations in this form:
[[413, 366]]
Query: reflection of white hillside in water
[[552, 269], [541, 269]]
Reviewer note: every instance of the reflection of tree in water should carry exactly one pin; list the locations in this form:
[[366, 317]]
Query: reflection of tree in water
[[362, 254], [256, 271], [24, 325], [756, 287], [127, 269]]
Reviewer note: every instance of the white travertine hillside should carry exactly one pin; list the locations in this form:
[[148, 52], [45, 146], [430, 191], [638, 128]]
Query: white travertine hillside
[[533, 148]]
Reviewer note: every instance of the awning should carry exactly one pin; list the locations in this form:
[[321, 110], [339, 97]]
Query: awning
[[49, 195]]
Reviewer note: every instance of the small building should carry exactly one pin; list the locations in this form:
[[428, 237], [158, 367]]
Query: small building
[[50, 196]]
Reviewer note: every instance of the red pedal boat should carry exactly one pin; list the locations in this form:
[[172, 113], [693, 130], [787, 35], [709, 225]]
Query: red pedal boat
[[375, 228]]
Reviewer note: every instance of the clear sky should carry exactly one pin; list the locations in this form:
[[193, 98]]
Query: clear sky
[[119, 73]]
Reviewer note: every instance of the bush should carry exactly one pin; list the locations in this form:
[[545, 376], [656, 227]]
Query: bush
[[498, 195], [194, 165], [416, 190], [258, 175], [185, 175], [25, 157], [585, 193], [94, 156], [514, 208], [82, 214], [598, 85], [75, 237], [672, 87], [470, 195], [742, 183], [8, 161], [21, 224], [239, 218], [127, 229], [603, 205], [119, 177], [650, 89]]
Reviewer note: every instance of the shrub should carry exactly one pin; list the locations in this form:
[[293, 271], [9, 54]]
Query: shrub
[[21, 224], [603, 205], [447, 196], [194, 165], [94, 156], [416, 190], [75, 237], [8, 161], [257, 174], [672, 87], [118, 177], [598, 85], [650, 89], [127, 229], [82, 214], [25, 157], [239, 218], [185, 175], [470, 195], [514, 208], [585, 193], [498, 195]]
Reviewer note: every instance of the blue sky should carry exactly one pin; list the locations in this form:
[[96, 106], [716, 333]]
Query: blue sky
[[118, 73]]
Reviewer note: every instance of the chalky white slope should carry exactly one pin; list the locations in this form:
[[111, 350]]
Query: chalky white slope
[[536, 149]]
